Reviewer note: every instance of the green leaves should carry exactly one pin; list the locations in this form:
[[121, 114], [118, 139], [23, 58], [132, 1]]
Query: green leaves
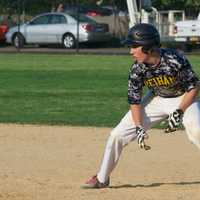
[[35, 6]]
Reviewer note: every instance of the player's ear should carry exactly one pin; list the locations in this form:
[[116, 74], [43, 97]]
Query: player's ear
[[150, 50], [146, 50]]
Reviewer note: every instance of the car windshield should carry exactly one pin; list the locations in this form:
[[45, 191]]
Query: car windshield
[[83, 18]]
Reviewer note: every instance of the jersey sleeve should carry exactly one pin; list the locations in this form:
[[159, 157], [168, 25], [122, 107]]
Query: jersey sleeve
[[135, 85], [187, 75]]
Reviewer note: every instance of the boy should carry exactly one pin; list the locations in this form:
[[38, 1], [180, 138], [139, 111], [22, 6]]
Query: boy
[[173, 89]]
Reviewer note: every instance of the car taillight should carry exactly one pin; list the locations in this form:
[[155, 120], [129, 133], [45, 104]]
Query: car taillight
[[92, 14], [87, 27]]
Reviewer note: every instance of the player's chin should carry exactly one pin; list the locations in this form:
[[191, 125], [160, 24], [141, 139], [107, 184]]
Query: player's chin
[[139, 60], [136, 59]]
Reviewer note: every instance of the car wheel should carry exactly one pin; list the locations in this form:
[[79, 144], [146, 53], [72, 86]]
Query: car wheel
[[69, 41], [18, 41]]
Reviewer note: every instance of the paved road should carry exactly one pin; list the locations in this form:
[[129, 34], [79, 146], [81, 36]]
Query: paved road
[[107, 51], [97, 51]]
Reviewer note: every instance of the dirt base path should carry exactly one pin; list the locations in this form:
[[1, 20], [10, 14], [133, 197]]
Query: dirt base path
[[51, 163]]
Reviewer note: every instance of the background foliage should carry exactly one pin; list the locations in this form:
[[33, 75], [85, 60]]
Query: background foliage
[[34, 6]]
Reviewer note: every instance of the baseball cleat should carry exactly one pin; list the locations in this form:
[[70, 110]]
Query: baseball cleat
[[94, 183]]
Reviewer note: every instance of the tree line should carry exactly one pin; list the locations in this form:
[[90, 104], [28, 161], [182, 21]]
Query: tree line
[[191, 7]]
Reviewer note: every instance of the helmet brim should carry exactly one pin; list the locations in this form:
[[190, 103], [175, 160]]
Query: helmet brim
[[129, 43]]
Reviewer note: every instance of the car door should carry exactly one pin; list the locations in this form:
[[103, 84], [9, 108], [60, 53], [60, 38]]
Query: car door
[[57, 27], [36, 31]]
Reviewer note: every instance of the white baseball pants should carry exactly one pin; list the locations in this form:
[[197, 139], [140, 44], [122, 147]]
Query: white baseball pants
[[154, 111]]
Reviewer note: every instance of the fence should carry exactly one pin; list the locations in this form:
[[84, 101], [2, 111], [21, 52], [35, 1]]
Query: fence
[[118, 25]]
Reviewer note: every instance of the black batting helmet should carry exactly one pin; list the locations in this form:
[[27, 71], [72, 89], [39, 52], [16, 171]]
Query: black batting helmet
[[143, 34]]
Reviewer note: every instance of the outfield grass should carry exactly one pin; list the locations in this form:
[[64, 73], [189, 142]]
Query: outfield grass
[[86, 90]]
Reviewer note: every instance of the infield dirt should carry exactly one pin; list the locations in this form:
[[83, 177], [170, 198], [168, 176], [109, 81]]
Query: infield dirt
[[53, 162]]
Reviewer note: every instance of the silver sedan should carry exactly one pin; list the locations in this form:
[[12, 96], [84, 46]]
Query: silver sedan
[[58, 28]]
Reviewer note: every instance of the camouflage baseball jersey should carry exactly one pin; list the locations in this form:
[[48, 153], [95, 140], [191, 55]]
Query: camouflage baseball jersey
[[171, 78]]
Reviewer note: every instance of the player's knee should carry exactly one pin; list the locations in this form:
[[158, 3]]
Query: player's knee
[[194, 136], [115, 135], [196, 133], [191, 118], [192, 125]]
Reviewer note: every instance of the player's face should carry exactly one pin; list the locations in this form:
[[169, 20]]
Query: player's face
[[138, 54]]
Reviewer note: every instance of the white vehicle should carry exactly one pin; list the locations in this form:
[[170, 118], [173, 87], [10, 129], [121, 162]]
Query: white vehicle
[[188, 31]]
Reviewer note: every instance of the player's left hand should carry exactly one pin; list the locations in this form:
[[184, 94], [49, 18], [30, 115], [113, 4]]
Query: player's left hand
[[141, 136], [174, 120]]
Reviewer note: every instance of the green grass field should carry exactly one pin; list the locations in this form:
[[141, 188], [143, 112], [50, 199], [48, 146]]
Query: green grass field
[[86, 90]]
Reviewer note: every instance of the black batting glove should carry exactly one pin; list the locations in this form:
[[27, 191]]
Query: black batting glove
[[174, 120], [141, 136]]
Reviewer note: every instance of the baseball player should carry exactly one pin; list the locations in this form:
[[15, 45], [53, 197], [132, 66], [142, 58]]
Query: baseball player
[[172, 93]]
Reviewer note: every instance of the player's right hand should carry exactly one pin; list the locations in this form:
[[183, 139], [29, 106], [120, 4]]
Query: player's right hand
[[141, 136], [174, 120]]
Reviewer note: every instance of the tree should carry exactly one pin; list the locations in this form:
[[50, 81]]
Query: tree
[[168, 4], [35, 6], [191, 7]]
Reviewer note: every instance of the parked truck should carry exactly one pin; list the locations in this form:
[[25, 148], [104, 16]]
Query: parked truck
[[187, 33]]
